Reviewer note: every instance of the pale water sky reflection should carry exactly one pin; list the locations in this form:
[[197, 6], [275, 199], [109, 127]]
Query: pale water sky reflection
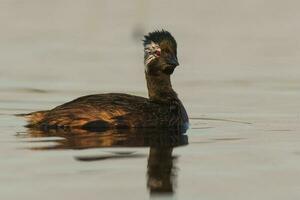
[[238, 79]]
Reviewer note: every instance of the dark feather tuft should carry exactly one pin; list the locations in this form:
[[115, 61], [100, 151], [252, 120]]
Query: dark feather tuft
[[158, 37]]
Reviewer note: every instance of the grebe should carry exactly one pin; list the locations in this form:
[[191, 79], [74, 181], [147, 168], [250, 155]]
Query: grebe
[[162, 109]]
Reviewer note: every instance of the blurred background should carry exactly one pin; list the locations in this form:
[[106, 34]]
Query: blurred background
[[251, 47], [238, 79], [98, 42], [95, 45]]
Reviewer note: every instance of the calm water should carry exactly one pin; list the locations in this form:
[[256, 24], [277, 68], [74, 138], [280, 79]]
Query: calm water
[[238, 78]]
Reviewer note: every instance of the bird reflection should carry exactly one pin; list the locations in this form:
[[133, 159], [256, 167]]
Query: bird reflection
[[161, 169], [161, 172]]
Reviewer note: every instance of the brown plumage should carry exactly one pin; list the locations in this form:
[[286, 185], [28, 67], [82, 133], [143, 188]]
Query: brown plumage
[[114, 110]]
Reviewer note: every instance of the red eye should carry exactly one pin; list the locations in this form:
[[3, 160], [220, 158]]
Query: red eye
[[157, 52]]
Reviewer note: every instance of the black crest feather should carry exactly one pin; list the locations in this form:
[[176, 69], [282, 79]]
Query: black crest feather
[[158, 37]]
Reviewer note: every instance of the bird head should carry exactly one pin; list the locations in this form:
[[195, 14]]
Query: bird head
[[160, 53]]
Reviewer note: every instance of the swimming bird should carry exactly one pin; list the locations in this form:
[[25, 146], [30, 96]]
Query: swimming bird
[[162, 109]]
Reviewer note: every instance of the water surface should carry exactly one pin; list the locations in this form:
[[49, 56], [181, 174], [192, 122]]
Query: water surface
[[238, 79]]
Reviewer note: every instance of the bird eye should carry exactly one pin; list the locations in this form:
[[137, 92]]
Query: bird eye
[[157, 53]]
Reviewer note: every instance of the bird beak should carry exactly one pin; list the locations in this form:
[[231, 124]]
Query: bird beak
[[173, 61]]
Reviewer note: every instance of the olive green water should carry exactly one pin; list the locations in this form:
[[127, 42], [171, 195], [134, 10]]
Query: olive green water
[[238, 78]]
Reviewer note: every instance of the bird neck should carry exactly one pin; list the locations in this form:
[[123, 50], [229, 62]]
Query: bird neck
[[160, 88]]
